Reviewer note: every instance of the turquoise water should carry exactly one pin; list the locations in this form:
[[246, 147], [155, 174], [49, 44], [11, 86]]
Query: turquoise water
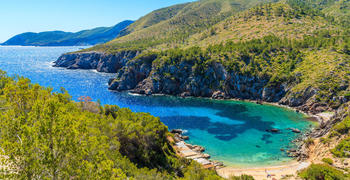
[[231, 131]]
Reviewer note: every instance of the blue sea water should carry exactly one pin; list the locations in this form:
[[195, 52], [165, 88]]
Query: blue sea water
[[233, 132]]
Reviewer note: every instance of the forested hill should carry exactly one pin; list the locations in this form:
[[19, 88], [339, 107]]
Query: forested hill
[[46, 135], [59, 38], [233, 49], [172, 26], [202, 22]]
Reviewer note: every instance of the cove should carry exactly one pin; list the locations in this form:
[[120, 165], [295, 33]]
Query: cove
[[233, 132]]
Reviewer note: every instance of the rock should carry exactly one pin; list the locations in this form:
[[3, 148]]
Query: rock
[[296, 131], [206, 156], [185, 137], [219, 164], [148, 92], [292, 150], [109, 63], [218, 95], [177, 137], [185, 94], [274, 130], [198, 148], [176, 131]]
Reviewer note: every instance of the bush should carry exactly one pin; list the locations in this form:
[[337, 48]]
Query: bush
[[242, 177], [327, 161], [342, 149], [309, 141], [322, 172], [342, 127], [46, 135], [325, 140]]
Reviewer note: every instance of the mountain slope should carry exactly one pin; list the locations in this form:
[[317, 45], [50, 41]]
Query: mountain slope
[[291, 52], [177, 26], [60, 38]]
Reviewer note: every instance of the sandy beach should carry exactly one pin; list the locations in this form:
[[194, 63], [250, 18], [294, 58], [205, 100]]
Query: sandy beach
[[287, 171]]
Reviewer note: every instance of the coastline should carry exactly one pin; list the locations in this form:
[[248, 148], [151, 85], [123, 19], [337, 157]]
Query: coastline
[[324, 116], [283, 170], [259, 173]]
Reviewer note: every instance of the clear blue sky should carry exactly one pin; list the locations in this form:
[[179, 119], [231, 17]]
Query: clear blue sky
[[18, 16]]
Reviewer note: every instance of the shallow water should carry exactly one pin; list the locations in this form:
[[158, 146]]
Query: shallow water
[[231, 131]]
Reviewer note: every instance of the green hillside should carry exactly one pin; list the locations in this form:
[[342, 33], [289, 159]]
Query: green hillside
[[291, 52], [215, 21], [177, 26], [59, 38], [46, 135]]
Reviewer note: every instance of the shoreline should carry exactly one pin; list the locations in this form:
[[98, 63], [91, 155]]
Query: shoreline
[[283, 170], [259, 173], [323, 116]]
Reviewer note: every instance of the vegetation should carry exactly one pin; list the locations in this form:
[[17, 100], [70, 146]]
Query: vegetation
[[322, 171], [171, 27], [59, 38], [342, 149], [277, 60], [45, 135], [211, 22], [242, 177], [327, 161], [341, 128]]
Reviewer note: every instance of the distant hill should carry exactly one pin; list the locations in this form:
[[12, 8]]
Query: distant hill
[[206, 22], [60, 38]]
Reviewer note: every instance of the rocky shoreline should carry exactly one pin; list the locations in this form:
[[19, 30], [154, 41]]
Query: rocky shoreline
[[194, 152], [140, 75]]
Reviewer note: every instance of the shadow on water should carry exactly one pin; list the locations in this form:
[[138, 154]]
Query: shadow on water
[[221, 131]]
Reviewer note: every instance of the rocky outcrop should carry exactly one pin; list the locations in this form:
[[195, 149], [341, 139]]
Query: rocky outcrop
[[148, 75], [145, 77], [109, 63]]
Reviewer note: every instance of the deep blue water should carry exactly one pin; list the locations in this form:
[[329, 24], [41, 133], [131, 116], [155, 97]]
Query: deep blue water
[[231, 131]]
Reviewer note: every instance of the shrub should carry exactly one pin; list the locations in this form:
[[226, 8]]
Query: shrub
[[322, 172], [342, 127], [327, 161], [309, 141], [242, 177], [342, 149], [325, 140]]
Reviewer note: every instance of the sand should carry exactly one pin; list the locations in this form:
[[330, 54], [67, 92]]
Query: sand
[[287, 171]]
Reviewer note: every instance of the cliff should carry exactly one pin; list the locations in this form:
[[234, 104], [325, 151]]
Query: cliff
[[94, 60]]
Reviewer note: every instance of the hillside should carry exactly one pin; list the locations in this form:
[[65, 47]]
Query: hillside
[[178, 25], [46, 135], [59, 38], [215, 21], [290, 52]]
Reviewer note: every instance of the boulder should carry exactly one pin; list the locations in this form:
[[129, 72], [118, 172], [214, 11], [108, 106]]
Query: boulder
[[296, 131], [178, 131], [274, 130], [185, 137], [206, 156], [218, 95], [199, 148]]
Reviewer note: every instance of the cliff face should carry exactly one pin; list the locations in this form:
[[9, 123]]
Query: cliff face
[[144, 75], [109, 63]]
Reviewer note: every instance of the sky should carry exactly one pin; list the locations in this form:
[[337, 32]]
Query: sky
[[18, 16]]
